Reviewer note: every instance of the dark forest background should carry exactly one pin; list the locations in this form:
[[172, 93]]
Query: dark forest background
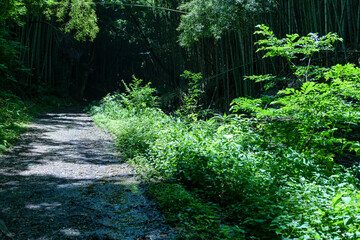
[[157, 40]]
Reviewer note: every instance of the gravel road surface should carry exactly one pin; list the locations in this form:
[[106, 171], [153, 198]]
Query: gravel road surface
[[63, 181]]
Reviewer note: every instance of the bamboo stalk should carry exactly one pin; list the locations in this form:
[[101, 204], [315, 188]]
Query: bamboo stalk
[[233, 64]]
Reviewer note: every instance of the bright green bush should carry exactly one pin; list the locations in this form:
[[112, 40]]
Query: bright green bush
[[190, 107], [134, 133], [313, 118], [316, 117], [259, 190], [263, 192], [137, 96], [255, 177]]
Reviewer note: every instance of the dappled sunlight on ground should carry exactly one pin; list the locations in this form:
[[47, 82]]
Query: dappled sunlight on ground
[[63, 181]]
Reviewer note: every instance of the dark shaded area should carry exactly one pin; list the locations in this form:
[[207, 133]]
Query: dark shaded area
[[28, 217], [145, 42]]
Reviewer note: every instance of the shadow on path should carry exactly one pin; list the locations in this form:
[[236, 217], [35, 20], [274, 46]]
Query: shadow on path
[[62, 181]]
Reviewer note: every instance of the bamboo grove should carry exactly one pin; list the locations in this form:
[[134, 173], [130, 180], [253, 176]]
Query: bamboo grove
[[145, 39]]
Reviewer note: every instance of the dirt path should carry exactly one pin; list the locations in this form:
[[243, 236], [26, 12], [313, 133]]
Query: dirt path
[[62, 181]]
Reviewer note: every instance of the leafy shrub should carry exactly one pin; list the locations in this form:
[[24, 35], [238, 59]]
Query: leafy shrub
[[109, 107], [255, 190], [137, 96], [315, 117], [134, 119], [191, 108], [260, 175], [229, 167], [136, 132]]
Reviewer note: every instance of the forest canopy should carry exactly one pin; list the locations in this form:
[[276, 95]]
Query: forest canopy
[[79, 16], [201, 18]]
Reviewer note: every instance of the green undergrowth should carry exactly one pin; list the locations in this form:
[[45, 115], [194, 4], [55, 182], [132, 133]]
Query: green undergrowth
[[221, 179], [16, 113], [268, 171]]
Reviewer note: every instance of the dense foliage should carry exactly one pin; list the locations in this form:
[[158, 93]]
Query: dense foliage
[[319, 114], [79, 16], [214, 18], [266, 172]]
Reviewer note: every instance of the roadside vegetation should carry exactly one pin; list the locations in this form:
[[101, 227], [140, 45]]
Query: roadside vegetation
[[16, 114], [272, 169]]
